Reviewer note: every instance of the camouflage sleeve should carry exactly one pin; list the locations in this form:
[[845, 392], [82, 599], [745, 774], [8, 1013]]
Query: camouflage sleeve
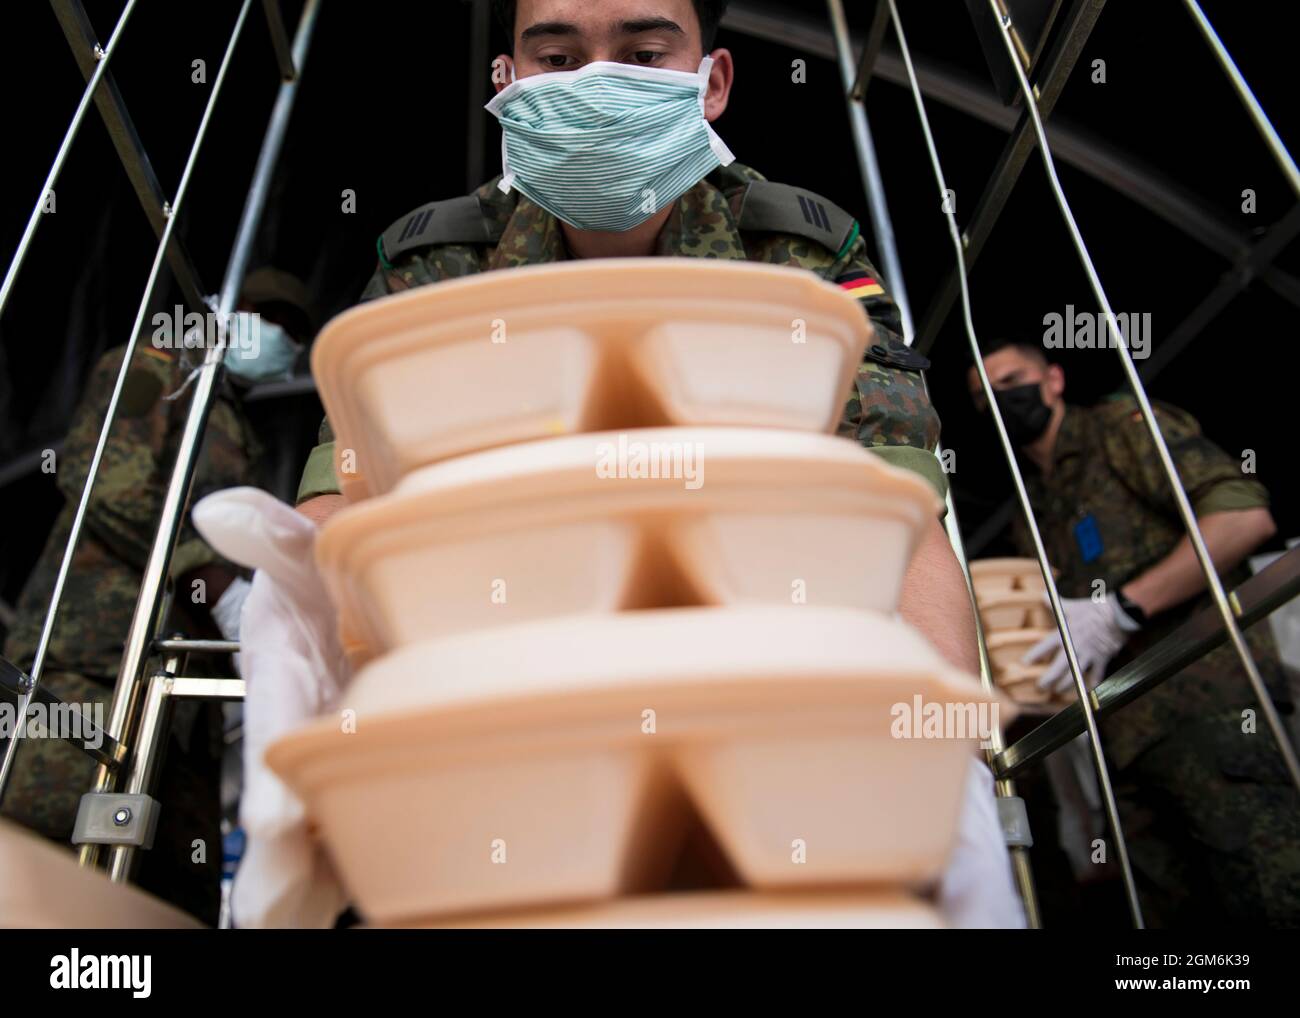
[[131, 484], [1214, 481], [318, 476], [888, 409]]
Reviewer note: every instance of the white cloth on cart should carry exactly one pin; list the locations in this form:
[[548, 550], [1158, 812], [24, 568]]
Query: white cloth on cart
[[294, 669]]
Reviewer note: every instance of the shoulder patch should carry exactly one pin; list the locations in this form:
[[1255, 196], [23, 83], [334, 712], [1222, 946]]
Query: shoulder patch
[[894, 354], [859, 284], [780, 208], [453, 221]]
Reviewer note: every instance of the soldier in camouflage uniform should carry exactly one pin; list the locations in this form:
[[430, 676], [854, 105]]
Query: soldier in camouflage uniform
[[731, 213], [1209, 814], [888, 411], [103, 585]]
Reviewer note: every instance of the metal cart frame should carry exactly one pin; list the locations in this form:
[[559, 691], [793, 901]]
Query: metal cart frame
[[118, 808]]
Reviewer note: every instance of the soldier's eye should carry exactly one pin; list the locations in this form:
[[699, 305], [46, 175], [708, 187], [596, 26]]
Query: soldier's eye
[[646, 56], [556, 61]]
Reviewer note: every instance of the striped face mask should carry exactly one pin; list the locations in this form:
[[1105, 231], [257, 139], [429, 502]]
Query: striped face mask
[[607, 146]]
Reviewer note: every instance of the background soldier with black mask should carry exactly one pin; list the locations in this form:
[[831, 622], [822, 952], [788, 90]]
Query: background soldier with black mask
[[1211, 819]]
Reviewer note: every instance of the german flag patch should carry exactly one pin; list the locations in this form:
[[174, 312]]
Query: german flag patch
[[859, 284]]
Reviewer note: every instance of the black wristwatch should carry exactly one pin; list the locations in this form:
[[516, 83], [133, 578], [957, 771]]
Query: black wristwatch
[[1132, 610]]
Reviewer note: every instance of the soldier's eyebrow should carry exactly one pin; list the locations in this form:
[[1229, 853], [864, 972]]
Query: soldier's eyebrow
[[634, 27], [639, 25], [549, 28]]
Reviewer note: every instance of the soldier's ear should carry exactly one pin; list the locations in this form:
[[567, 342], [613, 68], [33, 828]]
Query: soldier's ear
[[503, 71], [976, 389], [720, 77], [1055, 381]]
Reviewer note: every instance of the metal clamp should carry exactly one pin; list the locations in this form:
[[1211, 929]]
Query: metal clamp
[[114, 818], [1015, 821]]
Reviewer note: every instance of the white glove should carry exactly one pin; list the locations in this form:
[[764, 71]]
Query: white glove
[[294, 669], [225, 613], [976, 890], [1098, 628]]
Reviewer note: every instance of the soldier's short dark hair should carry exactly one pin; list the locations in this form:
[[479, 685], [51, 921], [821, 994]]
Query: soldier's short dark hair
[[1034, 351], [709, 13]]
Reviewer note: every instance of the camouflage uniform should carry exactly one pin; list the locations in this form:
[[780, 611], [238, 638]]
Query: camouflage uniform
[[103, 584], [1211, 821], [888, 410]]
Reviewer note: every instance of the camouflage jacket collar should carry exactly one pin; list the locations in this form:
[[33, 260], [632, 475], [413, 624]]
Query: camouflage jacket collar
[[1071, 438], [701, 224]]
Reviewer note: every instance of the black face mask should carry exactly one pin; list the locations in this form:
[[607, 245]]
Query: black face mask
[[1024, 413]]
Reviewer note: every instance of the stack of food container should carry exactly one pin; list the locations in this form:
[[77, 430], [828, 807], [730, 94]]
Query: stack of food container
[[1013, 606], [608, 577]]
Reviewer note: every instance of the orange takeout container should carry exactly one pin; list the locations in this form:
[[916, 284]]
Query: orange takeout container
[[886, 909], [539, 531], [554, 761], [540, 351]]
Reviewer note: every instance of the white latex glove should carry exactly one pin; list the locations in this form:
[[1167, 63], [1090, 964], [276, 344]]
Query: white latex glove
[[977, 890], [294, 669], [225, 613], [1098, 628]]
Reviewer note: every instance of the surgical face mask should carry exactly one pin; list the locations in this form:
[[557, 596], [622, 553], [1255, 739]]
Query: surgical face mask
[[607, 146], [1024, 413], [258, 350]]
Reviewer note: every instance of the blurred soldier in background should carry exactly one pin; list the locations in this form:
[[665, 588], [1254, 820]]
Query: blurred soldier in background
[[1209, 813], [103, 584]]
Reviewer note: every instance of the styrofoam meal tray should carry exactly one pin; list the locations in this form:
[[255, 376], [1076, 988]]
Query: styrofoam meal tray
[[532, 740], [549, 528], [1018, 674], [1014, 609], [1010, 646], [505, 357], [1002, 575], [1020, 683], [839, 908]]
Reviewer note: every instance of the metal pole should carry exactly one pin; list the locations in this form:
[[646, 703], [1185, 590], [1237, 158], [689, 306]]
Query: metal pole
[[1247, 97], [145, 619], [881, 225], [1081, 687], [870, 52], [115, 728], [80, 36], [279, 39], [480, 26], [102, 56], [1148, 415], [1077, 28]]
